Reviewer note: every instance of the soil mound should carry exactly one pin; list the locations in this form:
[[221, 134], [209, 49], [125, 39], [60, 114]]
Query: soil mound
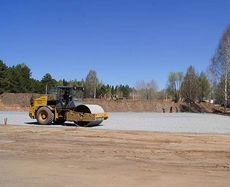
[[21, 102]]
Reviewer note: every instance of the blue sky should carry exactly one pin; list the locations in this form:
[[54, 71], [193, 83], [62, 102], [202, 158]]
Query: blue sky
[[123, 40]]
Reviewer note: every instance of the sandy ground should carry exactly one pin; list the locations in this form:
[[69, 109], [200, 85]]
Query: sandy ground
[[39, 156]]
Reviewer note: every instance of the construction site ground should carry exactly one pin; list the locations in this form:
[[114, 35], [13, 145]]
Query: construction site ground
[[137, 155], [40, 156]]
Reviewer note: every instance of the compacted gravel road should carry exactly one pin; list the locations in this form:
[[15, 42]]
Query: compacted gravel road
[[154, 122]]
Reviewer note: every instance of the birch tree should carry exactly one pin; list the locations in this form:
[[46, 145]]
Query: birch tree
[[174, 85], [220, 63], [147, 90]]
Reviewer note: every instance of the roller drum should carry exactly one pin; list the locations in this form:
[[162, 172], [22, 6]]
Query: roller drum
[[93, 109]]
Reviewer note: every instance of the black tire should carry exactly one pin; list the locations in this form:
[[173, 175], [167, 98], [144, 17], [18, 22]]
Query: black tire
[[44, 116], [59, 122]]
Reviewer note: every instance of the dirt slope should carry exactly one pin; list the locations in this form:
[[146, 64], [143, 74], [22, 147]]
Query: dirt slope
[[21, 102]]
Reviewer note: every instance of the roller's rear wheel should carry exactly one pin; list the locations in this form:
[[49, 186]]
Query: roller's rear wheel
[[44, 116]]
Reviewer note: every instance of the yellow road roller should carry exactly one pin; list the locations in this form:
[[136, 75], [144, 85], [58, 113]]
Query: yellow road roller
[[65, 104]]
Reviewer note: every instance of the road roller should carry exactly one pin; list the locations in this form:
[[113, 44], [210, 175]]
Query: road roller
[[64, 103]]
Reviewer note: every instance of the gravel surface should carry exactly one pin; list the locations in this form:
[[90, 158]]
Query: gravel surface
[[157, 122]]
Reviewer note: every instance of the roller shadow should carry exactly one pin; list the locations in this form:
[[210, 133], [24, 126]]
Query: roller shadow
[[31, 123], [52, 124], [66, 124]]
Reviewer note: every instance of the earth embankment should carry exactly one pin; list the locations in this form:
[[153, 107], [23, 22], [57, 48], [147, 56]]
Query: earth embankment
[[21, 102]]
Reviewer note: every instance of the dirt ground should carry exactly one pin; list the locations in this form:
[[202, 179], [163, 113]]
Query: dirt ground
[[41, 156]]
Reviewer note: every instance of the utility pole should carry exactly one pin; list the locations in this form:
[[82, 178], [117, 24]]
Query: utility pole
[[225, 90], [94, 92], [46, 89], [95, 89]]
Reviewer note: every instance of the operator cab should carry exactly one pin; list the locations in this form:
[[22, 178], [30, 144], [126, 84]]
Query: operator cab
[[68, 96]]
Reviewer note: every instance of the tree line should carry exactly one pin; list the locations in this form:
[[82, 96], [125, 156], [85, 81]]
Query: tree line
[[189, 86], [18, 79]]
